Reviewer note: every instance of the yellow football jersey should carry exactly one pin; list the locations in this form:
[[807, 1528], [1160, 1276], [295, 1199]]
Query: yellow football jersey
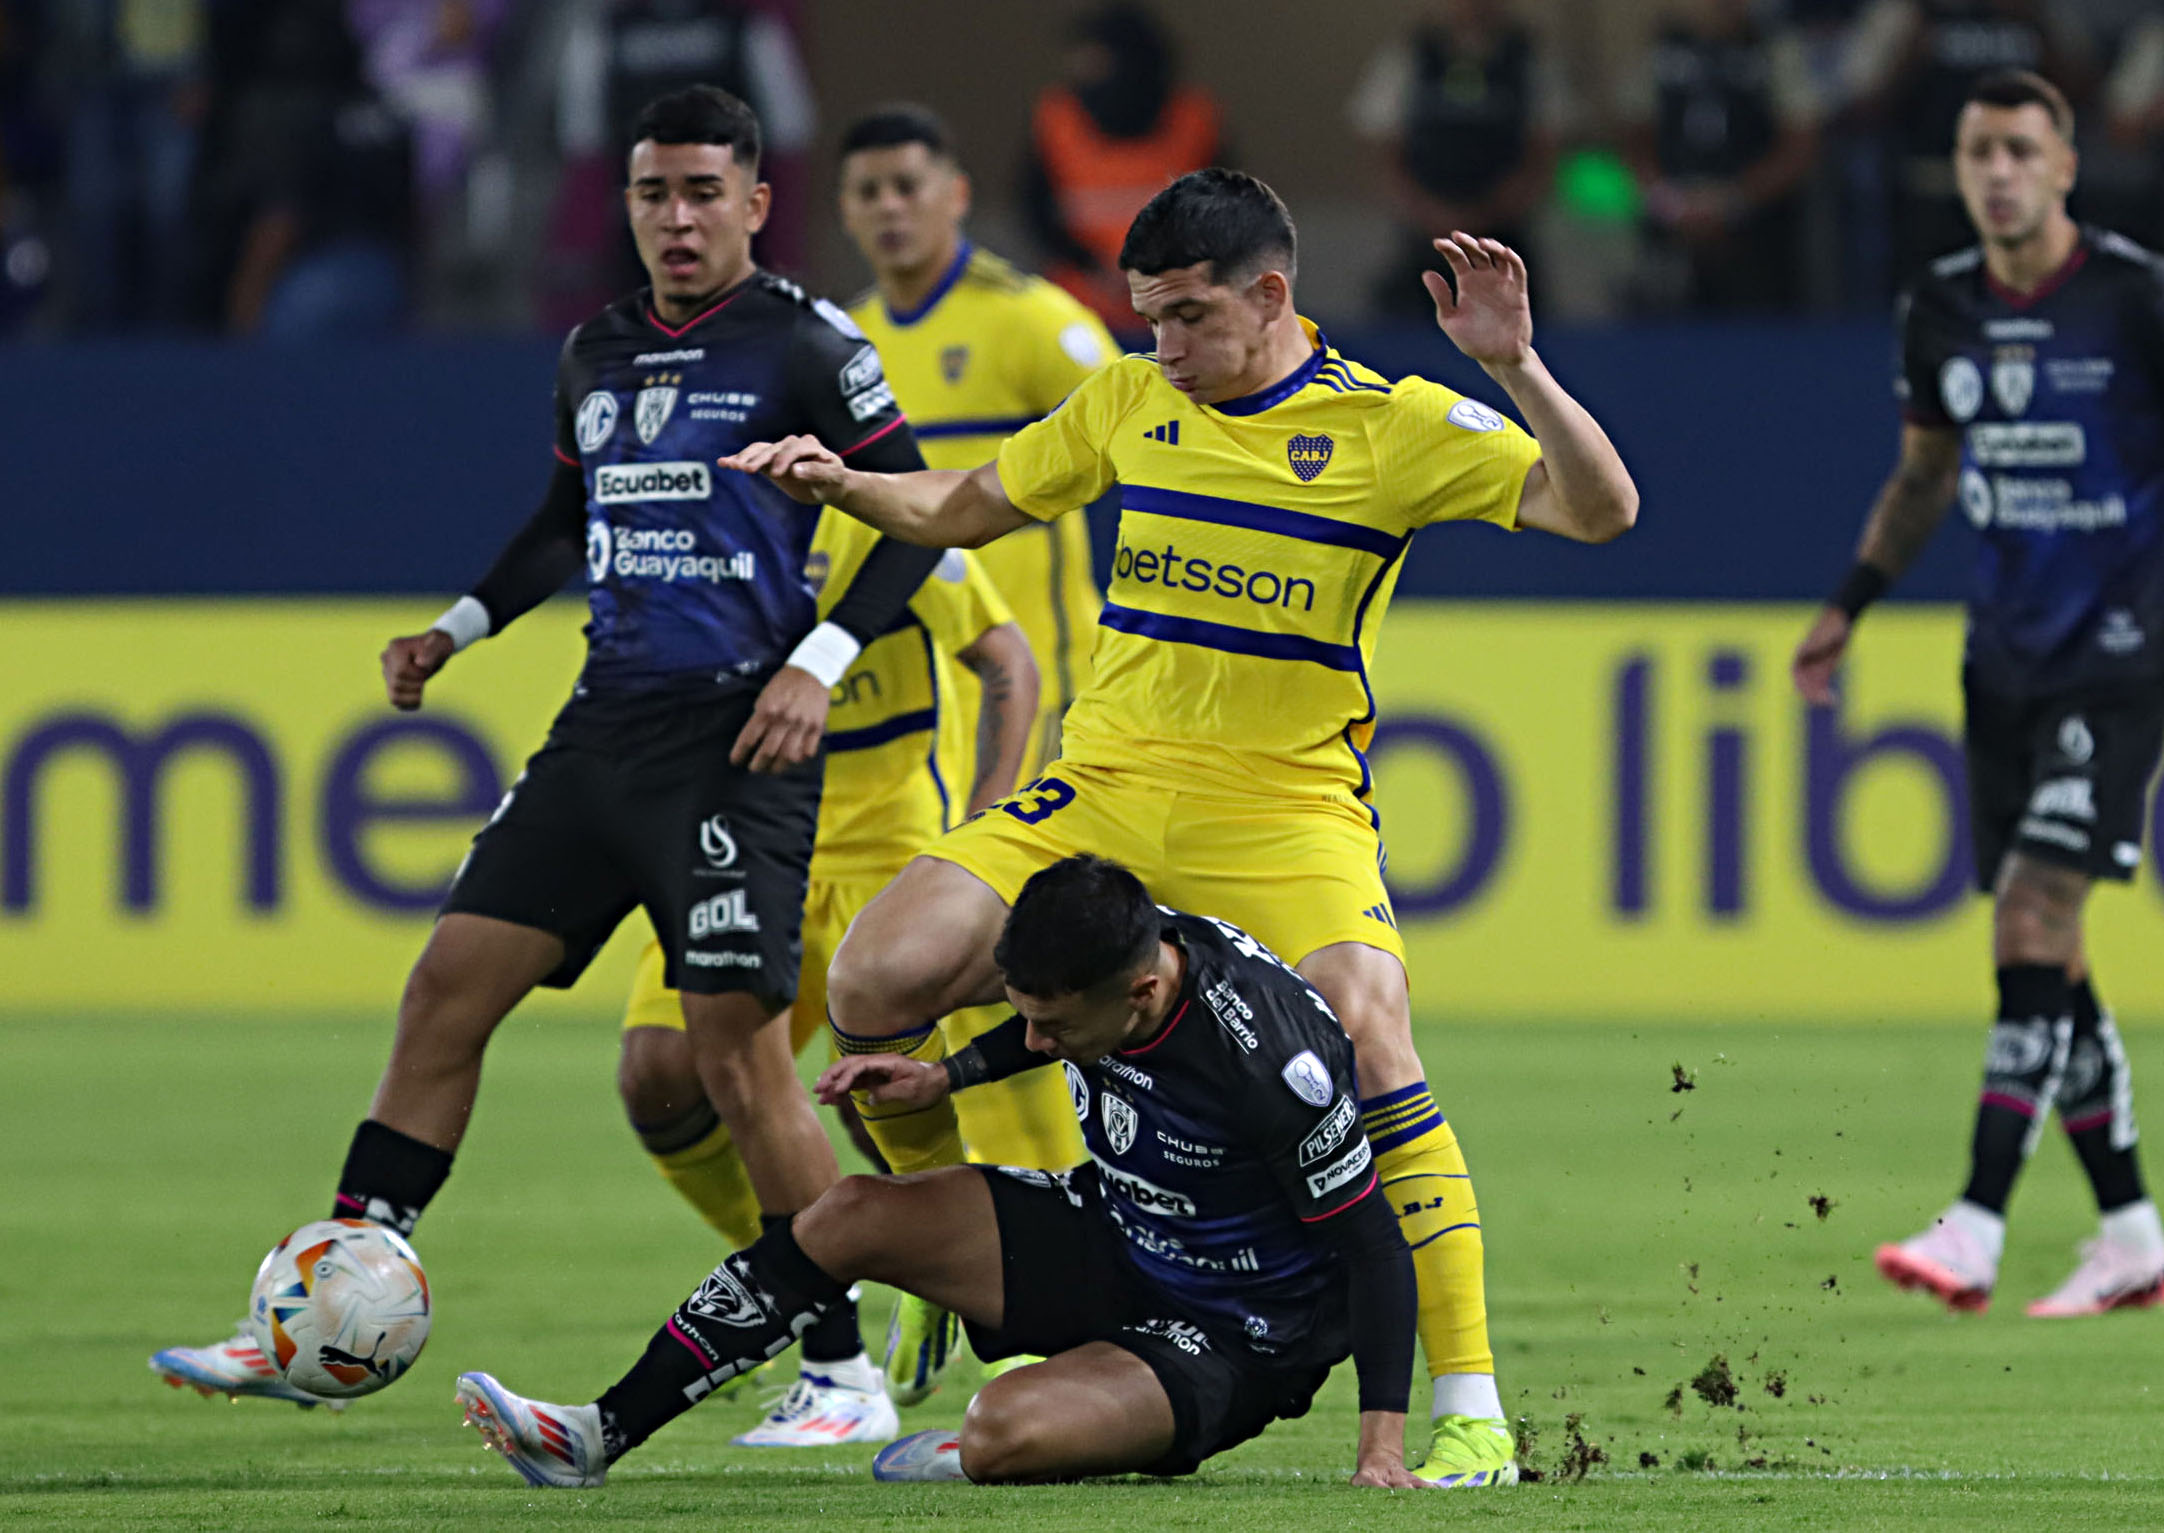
[[899, 759], [988, 352], [1259, 543]]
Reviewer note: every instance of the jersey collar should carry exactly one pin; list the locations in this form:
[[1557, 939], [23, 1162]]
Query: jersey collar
[[677, 332], [940, 289], [1182, 1001], [2075, 261], [1287, 386]]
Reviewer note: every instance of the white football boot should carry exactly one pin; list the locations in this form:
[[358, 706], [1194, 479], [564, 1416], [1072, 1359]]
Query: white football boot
[[2113, 1275], [830, 1403], [549, 1445], [235, 1368], [1952, 1260]]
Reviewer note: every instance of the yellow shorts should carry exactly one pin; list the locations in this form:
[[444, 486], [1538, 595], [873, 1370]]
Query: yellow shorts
[[1300, 874], [830, 904]]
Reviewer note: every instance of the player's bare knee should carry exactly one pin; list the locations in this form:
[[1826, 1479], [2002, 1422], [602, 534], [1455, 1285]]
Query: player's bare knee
[[2036, 917], [658, 1081], [1004, 1433], [849, 1221], [439, 1012], [877, 989]]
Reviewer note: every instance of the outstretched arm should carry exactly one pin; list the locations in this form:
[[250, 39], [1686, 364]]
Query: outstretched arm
[[1579, 489], [1907, 512], [934, 508]]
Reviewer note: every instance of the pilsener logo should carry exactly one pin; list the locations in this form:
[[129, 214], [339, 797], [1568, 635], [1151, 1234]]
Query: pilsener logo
[[620, 482], [1167, 566]]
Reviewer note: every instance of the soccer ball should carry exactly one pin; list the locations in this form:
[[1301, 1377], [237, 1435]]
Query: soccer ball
[[340, 1307]]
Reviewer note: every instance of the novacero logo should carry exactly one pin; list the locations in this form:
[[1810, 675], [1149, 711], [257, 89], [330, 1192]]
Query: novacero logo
[[1167, 566], [620, 482]]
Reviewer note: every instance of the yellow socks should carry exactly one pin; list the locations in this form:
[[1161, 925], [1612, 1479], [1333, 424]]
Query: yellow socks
[[709, 1175], [912, 1139], [1423, 1174], [1025, 1120]]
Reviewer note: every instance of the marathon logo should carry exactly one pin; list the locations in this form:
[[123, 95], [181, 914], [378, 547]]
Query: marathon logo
[[1147, 1195], [1128, 1073], [1330, 1178], [664, 358], [2042, 444], [1331, 1133], [621, 482], [700, 960]]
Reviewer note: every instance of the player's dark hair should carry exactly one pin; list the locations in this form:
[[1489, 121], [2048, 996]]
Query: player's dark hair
[[2020, 87], [1077, 924], [700, 114], [1224, 217], [892, 126]]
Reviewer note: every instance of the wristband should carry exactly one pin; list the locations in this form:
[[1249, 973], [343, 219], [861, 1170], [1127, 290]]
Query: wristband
[[1861, 586], [966, 1068], [827, 652], [465, 620]]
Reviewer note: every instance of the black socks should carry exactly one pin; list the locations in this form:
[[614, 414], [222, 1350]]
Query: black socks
[[388, 1177], [2096, 1105], [835, 1336], [2022, 1074], [748, 1310]]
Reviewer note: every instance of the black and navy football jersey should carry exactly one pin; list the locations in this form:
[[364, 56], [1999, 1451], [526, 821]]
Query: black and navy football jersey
[[694, 570], [2059, 398], [1224, 1143]]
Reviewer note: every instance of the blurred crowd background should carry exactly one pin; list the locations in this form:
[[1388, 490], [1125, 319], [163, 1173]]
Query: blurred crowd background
[[292, 169]]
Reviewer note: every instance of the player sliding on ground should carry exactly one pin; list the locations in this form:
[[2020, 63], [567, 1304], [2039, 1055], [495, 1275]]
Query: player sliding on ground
[[1229, 1244], [2059, 461], [892, 746], [1268, 489]]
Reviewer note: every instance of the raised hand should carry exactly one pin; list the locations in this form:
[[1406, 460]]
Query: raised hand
[[803, 468], [1489, 318]]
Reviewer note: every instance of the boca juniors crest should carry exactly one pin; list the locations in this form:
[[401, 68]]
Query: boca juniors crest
[[655, 404], [1309, 455]]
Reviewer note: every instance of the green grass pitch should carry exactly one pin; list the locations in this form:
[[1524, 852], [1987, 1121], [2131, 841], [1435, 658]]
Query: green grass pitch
[[1636, 1233]]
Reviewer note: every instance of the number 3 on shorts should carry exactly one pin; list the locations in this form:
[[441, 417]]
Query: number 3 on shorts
[[1039, 801]]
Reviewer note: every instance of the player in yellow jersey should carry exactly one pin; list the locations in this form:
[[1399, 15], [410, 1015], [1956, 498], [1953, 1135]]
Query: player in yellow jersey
[[901, 768], [975, 351], [1269, 487]]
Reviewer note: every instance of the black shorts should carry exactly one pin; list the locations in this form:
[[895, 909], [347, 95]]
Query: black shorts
[[635, 802], [1068, 1283], [2062, 778]]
